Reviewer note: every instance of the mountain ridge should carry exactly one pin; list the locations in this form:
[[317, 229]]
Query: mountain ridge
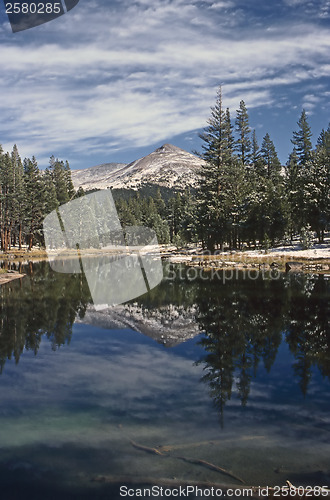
[[168, 166]]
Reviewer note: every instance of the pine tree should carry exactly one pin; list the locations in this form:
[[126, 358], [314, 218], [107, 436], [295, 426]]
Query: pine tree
[[19, 195], [317, 187], [217, 136], [175, 215], [34, 201], [293, 186], [302, 140], [243, 143], [229, 141], [188, 224], [212, 196], [68, 178], [255, 153], [61, 176], [7, 200], [50, 198], [160, 204], [271, 163]]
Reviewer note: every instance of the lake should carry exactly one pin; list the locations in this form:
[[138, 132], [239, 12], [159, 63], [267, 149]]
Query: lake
[[209, 378]]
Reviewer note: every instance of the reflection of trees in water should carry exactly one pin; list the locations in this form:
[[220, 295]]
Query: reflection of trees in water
[[241, 328], [307, 328], [46, 304], [244, 323]]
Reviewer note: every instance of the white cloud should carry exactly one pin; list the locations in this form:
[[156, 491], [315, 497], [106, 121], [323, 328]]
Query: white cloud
[[146, 72]]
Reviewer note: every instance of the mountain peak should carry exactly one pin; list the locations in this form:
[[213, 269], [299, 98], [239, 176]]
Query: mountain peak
[[168, 166], [168, 148]]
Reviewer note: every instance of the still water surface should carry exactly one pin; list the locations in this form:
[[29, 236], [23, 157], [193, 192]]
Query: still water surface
[[234, 373]]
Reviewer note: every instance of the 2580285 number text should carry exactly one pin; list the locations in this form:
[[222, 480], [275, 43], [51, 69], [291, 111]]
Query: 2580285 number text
[[33, 8]]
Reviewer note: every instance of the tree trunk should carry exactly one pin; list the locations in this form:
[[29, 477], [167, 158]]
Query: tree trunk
[[20, 237], [30, 241], [5, 241]]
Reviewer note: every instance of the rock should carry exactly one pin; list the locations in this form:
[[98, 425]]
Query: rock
[[294, 266]]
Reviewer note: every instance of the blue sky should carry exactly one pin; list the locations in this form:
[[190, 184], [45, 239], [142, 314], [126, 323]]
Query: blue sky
[[113, 80]]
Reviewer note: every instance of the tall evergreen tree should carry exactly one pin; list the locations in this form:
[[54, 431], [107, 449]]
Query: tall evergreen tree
[[7, 202], [293, 186], [302, 140], [271, 163], [317, 187], [19, 195], [217, 136], [243, 143], [255, 152], [50, 197], [69, 183], [34, 201], [213, 195], [61, 176], [222, 194]]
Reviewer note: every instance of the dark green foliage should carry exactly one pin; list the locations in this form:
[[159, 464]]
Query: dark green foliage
[[308, 181], [269, 159], [61, 177], [250, 198], [141, 211], [239, 202], [221, 196], [35, 201], [302, 140], [243, 143], [317, 187], [27, 195], [45, 304]]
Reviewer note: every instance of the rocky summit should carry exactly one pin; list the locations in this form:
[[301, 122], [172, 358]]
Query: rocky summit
[[168, 166]]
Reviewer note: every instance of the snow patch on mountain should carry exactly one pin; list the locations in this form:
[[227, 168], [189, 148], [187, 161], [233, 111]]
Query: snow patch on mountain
[[168, 166]]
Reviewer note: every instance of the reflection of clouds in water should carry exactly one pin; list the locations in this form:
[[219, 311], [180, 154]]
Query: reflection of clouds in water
[[83, 391], [101, 373]]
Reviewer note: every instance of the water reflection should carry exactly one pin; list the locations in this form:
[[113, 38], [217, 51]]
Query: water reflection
[[72, 415], [43, 303], [243, 321]]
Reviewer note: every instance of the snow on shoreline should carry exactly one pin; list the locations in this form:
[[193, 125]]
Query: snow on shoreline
[[317, 252], [320, 251]]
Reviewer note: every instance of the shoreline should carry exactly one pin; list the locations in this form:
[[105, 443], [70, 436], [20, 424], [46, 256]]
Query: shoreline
[[285, 258], [291, 258], [7, 277]]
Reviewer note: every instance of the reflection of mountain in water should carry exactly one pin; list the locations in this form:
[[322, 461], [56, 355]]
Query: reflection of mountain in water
[[244, 322], [169, 324]]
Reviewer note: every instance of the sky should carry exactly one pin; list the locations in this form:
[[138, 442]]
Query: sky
[[110, 81]]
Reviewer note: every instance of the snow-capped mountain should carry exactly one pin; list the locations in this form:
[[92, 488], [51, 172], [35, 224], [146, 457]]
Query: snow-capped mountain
[[169, 325], [168, 166]]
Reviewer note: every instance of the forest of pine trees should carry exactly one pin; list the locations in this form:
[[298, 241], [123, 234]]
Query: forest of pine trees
[[245, 197], [27, 195]]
